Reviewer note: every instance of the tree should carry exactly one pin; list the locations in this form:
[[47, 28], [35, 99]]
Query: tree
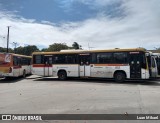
[[156, 50], [57, 47], [5, 50], [44, 50], [27, 50], [20, 50], [75, 45]]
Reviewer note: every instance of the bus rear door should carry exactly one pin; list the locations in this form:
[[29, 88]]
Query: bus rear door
[[84, 65], [48, 65]]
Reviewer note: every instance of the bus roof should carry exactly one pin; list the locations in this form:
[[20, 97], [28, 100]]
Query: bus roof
[[92, 51], [16, 54]]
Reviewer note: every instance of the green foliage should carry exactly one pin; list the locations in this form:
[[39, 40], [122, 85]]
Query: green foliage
[[75, 45], [44, 49], [27, 50], [57, 47], [5, 50]]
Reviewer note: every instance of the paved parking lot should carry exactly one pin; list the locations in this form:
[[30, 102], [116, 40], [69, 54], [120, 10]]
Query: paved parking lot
[[36, 95]]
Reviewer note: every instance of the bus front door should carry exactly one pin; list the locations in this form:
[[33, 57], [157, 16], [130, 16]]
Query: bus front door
[[84, 65], [135, 66], [48, 65]]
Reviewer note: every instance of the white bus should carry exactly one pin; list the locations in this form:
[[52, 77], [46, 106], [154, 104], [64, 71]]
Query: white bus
[[119, 64], [14, 65]]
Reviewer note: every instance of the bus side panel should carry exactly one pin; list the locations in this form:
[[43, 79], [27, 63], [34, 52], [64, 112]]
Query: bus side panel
[[16, 71], [4, 71], [107, 71], [22, 68], [101, 71], [72, 70], [27, 68], [38, 70]]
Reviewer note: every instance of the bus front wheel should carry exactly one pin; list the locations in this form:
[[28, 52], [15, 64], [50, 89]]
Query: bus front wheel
[[62, 75], [119, 77]]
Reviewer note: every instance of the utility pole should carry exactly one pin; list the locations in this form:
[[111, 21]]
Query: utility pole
[[89, 47], [15, 45], [8, 38]]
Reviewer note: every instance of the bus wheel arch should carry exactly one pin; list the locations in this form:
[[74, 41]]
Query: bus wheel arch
[[62, 74], [120, 76]]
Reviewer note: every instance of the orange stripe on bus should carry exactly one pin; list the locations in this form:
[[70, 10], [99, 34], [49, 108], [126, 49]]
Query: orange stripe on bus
[[17, 67], [43, 65], [38, 65]]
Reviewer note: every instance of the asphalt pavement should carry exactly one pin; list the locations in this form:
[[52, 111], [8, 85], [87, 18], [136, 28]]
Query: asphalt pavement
[[37, 95]]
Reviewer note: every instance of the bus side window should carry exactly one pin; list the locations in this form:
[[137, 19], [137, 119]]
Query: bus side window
[[59, 59], [104, 58], [15, 61], [37, 59], [29, 61], [71, 59], [46, 60], [19, 61], [50, 60], [24, 61], [120, 57], [93, 58]]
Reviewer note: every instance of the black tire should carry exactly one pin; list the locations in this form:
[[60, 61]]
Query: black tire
[[119, 77], [7, 78], [62, 75], [24, 74]]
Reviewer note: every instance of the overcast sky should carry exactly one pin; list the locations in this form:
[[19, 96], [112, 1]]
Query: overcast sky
[[103, 24]]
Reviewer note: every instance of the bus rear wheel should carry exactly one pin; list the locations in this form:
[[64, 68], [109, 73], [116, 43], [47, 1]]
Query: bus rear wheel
[[62, 75], [119, 77]]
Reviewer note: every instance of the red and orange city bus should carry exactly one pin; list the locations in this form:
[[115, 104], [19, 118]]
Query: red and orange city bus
[[119, 64], [14, 65]]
